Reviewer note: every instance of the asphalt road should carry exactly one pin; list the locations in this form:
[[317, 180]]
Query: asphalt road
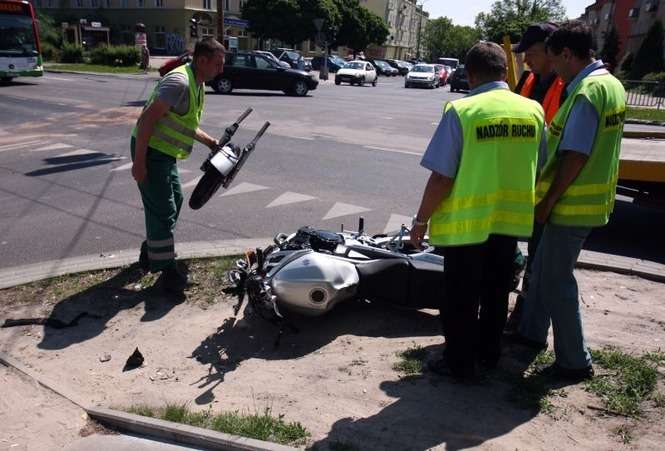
[[341, 152]]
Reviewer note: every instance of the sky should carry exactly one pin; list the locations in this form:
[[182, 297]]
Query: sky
[[465, 15]]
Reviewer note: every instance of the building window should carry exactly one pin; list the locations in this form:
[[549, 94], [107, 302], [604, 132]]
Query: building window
[[207, 4], [651, 6], [108, 3], [633, 13], [50, 3], [79, 3], [94, 4], [226, 5], [159, 3], [125, 3], [242, 4], [159, 41]]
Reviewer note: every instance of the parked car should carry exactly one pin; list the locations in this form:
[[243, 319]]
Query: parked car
[[383, 68], [171, 64], [269, 55], [251, 70], [459, 81], [308, 64], [335, 63], [356, 73], [401, 66], [443, 74], [423, 75], [295, 59]]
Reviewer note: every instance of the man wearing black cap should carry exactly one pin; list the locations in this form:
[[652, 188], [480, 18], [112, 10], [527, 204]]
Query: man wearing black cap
[[544, 86]]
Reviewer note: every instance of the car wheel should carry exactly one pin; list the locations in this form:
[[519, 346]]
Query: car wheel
[[406, 85], [222, 86], [374, 83], [5, 80], [452, 89], [337, 82], [300, 88]]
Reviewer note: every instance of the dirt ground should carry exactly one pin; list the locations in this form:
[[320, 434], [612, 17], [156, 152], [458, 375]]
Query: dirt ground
[[335, 376]]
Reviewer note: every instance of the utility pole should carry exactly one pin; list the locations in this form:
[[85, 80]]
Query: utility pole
[[220, 20], [420, 15]]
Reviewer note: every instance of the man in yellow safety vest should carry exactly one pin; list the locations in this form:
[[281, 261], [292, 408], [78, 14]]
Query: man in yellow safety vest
[[479, 199]]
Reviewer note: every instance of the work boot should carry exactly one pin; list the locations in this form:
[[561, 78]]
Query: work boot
[[173, 280], [144, 262], [555, 371]]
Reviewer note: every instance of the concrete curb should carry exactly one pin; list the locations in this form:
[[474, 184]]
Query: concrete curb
[[180, 433], [20, 275], [151, 427], [145, 76], [645, 122]]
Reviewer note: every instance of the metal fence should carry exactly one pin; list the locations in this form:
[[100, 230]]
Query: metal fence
[[645, 94]]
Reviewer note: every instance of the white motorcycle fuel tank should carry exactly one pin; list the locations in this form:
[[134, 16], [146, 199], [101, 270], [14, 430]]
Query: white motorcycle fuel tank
[[314, 282]]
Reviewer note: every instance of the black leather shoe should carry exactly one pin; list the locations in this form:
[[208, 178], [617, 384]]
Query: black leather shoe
[[173, 280], [555, 371], [443, 368]]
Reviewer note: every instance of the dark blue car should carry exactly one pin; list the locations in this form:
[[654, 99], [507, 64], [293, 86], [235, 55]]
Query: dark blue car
[[335, 63]]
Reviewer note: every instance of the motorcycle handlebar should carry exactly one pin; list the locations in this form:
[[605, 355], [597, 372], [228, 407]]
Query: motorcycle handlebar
[[243, 116]]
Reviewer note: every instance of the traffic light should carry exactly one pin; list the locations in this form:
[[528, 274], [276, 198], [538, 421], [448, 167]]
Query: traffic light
[[193, 28]]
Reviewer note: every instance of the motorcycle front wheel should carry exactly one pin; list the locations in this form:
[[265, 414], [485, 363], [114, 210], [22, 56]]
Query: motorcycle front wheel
[[205, 189]]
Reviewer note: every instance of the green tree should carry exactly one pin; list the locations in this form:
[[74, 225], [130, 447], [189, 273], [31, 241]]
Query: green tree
[[611, 48], [443, 38], [295, 22], [649, 57], [359, 26], [512, 17]]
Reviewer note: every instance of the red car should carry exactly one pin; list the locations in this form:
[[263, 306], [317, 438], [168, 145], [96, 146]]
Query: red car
[[443, 74], [175, 62]]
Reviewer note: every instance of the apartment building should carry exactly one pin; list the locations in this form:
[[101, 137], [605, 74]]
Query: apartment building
[[167, 21], [406, 21], [632, 19]]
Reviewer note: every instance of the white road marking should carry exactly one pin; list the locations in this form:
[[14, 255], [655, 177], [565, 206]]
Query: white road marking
[[243, 188], [78, 152], [395, 222], [342, 209], [289, 198], [122, 167], [306, 138], [385, 149], [16, 146], [192, 182], [58, 78], [56, 146]]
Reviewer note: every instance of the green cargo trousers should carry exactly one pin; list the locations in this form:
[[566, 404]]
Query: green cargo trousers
[[161, 194]]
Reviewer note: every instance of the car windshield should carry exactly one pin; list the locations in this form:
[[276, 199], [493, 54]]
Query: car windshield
[[423, 69], [17, 36], [293, 56], [381, 64], [337, 60], [354, 66]]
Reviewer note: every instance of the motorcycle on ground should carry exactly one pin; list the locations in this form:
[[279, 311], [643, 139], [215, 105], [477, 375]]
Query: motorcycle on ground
[[311, 271]]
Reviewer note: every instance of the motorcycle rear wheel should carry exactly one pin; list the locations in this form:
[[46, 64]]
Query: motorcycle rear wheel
[[205, 189]]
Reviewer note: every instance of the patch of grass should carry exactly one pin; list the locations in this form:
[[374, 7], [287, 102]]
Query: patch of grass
[[625, 433], [658, 400], [411, 361], [629, 382], [648, 114], [657, 357], [259, 425], [543, 358], [95, 68], [223, 264]]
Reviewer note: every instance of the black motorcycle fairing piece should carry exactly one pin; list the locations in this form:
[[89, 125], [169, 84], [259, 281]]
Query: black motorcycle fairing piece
[[401, 282], [308, 237]]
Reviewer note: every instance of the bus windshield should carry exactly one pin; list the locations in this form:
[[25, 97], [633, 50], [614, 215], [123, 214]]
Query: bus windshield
[[17, 37]]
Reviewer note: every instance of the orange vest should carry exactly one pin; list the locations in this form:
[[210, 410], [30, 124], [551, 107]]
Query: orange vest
[[552, 98]]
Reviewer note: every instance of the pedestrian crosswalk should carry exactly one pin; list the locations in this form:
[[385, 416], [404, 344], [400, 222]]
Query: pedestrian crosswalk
[[63, 150]]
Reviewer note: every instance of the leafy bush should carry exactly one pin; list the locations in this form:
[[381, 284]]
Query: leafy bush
[[49, 52], [121, 55], [71, 53], [657, 90]]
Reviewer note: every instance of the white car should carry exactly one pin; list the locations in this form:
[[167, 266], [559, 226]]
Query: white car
[[356, 73], [422, 75]]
